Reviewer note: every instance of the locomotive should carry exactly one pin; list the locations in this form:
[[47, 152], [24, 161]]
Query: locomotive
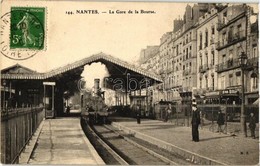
[[93, 107]]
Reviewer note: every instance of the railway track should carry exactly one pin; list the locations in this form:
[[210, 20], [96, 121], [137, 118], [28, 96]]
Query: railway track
[[118, 148]]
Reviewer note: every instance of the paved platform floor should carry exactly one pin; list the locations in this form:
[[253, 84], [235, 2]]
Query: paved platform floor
[[62, 141], [219, 147]]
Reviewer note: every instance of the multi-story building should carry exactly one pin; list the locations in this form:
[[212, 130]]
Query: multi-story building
[[203, 52], [252, 70], [147, 53], [207, 56], [165, 69], [189, 49], [234, 39], [177, 65]]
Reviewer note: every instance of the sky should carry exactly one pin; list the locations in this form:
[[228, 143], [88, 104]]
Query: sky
[[73, 37]]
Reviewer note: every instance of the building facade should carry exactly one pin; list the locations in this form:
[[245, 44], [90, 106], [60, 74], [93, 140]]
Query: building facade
[[207, 38], [202, 52]]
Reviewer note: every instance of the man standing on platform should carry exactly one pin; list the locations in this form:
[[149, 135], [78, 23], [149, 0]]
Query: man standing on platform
[[138, 114], [195, 121]]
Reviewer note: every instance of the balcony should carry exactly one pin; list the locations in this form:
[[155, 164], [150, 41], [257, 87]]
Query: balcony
[[228, 65], [222, 23], [253, 62], [203, 68], [169, 70], [231, 39], [161, 71], [186, 72]]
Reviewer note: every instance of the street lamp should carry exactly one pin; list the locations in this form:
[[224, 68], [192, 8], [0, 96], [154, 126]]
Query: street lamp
[[243, 63]]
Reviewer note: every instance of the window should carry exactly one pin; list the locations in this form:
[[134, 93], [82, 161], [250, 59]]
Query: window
[[212, 30], [206, 38], [207, 81], [254, 52], [200, 47], [213, 57], [223, 38], [223, 82], [254, 82], [239, 31], [187, 50], [213, 82], [238, 80], [224, 58], [231, 80], [207, 58]]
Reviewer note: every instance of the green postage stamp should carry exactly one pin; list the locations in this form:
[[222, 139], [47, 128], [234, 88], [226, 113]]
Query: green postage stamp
[[27, 28]]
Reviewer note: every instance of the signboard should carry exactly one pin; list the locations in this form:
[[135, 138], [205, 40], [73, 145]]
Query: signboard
[[49, 83]]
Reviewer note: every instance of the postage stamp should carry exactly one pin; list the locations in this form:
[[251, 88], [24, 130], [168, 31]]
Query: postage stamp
[[27, 28], [23, 32]]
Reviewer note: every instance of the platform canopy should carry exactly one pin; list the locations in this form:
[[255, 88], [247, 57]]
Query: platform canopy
[[116, 68]]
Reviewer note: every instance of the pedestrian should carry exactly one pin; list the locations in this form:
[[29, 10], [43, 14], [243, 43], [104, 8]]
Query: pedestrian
[[138, 114], [220, 121], [68, 109], [168, 112], [195, 121], [252, 124]]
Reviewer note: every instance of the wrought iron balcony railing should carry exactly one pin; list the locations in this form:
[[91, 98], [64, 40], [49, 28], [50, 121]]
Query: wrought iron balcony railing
[[203, 68], [231, 39], [229, 64]]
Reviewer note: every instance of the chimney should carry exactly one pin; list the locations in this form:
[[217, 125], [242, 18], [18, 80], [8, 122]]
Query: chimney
[[96, 87]]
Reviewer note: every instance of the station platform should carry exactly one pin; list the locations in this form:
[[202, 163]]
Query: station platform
[[62, 141], [213, 148]]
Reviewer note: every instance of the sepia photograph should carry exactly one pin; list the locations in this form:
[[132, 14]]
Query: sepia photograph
[[129, 82]]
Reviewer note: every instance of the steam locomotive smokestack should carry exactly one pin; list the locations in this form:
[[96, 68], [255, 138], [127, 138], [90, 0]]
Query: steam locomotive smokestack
[[96, 86]]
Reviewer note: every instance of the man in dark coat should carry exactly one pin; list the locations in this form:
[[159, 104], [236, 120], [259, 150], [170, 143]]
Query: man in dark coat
[[220, 121], [195, 121], [252, 125]]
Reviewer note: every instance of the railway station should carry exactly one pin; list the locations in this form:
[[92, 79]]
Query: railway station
[[44, 95]]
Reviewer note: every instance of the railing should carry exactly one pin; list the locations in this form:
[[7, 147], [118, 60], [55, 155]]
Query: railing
[[230, 64], [253, 62], [203, 68], [161, 71], [231, 39], [186, 72], [18, 126]]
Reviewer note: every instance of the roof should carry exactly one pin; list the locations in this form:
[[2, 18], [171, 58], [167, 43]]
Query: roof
[[16, 69], [101, 57]]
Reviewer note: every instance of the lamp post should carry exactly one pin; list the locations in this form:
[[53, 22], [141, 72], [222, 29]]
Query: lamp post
[[243, 62]]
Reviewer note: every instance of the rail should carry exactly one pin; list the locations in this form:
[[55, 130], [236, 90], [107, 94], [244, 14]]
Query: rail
[[17, 127]]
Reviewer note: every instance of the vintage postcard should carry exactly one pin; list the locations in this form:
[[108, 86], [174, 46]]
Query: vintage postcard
[[129, 83]]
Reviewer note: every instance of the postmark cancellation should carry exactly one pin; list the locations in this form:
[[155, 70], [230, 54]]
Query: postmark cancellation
[[23, 32]]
